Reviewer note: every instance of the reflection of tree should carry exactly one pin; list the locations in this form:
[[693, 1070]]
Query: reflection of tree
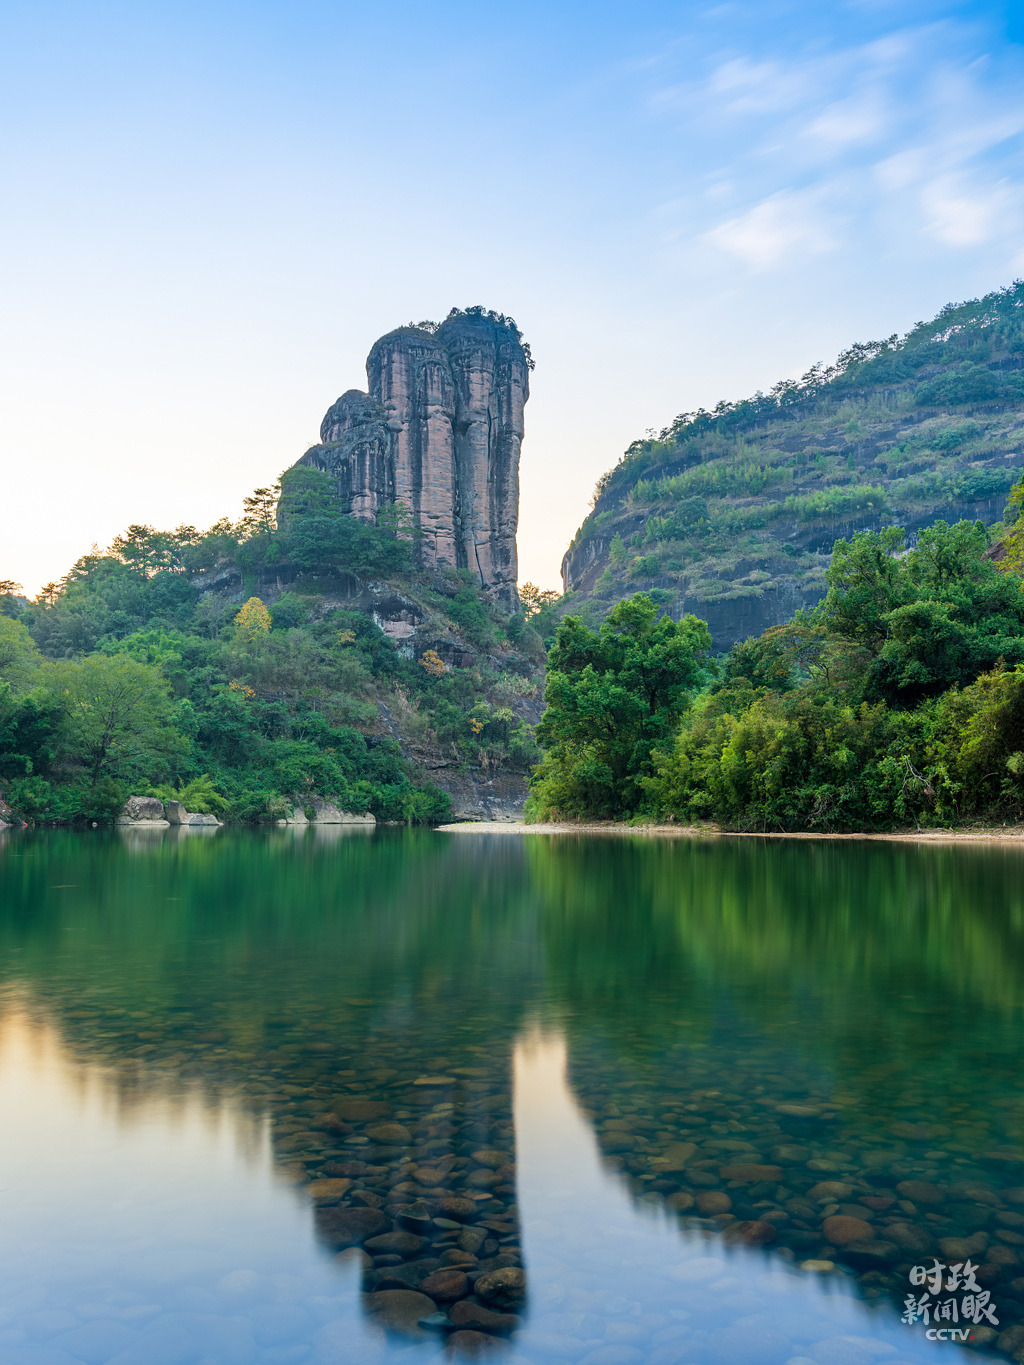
[[336, 986], [365, 994], [864, 981]]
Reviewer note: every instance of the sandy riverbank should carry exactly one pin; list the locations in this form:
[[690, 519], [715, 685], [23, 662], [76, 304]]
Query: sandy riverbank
[[1010, 834]]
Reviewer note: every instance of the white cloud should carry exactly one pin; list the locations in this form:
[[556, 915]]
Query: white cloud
[[773, 229], [959, 214]]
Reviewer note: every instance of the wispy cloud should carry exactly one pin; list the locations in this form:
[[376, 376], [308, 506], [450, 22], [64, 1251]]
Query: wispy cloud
[[912, 139], [782, 223]]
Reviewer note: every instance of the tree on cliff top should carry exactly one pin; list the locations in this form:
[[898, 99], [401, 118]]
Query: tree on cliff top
[[613, 696]]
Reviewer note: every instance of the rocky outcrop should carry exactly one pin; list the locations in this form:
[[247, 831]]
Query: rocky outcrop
[[9, 819], [146, 812], [440, 431], [143, 810], [176, 814], [322, 812]]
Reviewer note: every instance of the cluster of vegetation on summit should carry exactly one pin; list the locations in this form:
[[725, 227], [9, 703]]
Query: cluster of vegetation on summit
[[139, 673]]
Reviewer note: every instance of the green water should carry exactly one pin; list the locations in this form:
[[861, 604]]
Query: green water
[[347, 1097]]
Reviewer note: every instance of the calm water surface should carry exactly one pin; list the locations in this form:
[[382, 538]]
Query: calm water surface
[[341, 1097]]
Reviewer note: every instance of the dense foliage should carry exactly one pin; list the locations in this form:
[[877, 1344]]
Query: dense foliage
[[612, 697], [899, 700], [135, 675], [742, 503]]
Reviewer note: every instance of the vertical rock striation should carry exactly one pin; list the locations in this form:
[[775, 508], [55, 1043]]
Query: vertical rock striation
[[440, 431]]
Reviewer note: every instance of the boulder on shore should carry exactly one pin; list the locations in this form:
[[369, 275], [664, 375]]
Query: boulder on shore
[[177, 815], [323, 813], [143, 810], [8, 818]]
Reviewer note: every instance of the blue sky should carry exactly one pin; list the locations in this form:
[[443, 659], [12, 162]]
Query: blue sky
[[210, 211]]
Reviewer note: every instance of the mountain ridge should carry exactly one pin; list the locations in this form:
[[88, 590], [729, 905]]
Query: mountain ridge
[[731, 514]]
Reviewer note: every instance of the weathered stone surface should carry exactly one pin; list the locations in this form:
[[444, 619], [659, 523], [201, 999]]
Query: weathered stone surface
[[440, 431], [326, 813], [142, 809], [176, 814]]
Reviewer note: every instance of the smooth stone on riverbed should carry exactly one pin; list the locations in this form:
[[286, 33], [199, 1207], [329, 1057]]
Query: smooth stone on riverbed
[[920, 1192], [461, 1210], [841, 1229], [446, 1285], [389, 1133], [753, 1232], [909, 1236], [830, 1189], [475, 1315], [506, 1287], [869, 1254], [400, 1243], [675, 1156], [465, 1343], [349, 1227], [710, 1202], [492, 1157], [356, 1110], [324, 1190], [399, 1310], [749, 1172], [680, 1201]]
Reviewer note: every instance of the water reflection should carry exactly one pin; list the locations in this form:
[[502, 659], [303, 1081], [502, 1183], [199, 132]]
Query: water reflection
[[607, 1271], [759, 1039]]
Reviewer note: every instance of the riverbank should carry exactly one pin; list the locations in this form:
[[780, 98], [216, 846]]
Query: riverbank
[[1004, 834]]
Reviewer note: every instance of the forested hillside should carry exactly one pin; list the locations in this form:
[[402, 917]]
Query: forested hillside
[[731, 514], [243, 668]]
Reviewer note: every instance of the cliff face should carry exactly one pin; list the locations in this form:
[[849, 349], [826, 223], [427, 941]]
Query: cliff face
[[439, 431]]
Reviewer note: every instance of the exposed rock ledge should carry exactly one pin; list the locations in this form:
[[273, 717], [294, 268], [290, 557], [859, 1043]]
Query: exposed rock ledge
[[146, 812], [323, 813]]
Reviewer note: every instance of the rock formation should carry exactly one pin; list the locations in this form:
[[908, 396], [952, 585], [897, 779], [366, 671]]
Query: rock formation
[[440, 432]]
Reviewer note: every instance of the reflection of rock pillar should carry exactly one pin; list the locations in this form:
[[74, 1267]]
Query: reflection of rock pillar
[[409, 377], [418, 1172], [492, 386]]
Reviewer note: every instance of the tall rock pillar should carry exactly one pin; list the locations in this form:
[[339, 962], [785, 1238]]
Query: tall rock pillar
[[439, 431], [411, 382], [491, 377]]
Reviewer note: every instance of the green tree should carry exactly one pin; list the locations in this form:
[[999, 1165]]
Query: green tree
[[117, 719], [307, 492], [612, 697]]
